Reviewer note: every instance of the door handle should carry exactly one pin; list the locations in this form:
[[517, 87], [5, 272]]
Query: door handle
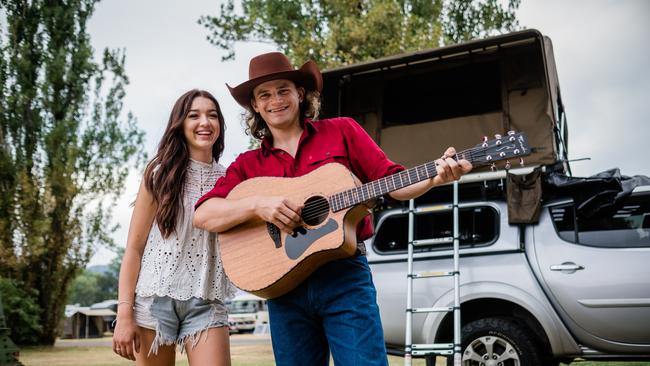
[[568, 267]]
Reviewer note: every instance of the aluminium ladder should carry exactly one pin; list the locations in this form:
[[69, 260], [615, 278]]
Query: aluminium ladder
[[433, 348]]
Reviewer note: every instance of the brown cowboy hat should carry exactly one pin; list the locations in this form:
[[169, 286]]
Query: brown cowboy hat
[[273, 66]]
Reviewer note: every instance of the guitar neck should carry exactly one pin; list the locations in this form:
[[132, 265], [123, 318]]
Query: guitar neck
[[382, 186]]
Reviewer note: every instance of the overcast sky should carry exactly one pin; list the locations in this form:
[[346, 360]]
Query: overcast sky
[[601, 49]]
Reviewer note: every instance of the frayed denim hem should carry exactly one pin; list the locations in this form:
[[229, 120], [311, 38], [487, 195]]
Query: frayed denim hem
[[158, 341], [192, 338]]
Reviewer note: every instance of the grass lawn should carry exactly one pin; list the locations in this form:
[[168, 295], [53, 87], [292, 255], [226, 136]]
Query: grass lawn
[[258, 355], [100, 354]]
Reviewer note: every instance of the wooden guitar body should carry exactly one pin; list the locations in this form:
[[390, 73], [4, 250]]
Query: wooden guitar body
[[270, 264]]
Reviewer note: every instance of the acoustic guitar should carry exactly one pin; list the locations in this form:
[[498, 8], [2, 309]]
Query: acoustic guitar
[[260, 259]]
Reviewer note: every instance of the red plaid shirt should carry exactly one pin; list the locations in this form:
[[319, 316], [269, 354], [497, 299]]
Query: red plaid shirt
[[339, 140]]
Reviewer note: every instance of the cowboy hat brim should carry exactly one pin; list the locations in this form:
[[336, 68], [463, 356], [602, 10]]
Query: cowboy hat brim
[[307, 76]]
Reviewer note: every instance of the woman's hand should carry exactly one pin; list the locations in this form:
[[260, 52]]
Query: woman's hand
[[126, 337]]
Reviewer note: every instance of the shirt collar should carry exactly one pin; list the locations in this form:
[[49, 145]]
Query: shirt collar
[[308, 129], [265, 146]]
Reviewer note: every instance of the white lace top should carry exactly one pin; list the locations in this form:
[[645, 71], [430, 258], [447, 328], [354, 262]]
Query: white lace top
[[187, 263]]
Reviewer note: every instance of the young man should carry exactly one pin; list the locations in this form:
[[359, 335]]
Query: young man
[[335, 308]]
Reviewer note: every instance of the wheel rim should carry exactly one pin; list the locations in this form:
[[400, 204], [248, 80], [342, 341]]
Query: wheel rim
[[490, 351]]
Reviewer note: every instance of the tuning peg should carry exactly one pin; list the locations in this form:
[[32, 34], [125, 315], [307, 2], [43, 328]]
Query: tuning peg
[[511, 132], [508, 165], [521, 161], [488, 157], [498, 137], [485, 140], [493, 167]]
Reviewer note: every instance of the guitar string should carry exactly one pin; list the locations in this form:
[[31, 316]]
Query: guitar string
[[412, 174], [322, 208], [314, 211]]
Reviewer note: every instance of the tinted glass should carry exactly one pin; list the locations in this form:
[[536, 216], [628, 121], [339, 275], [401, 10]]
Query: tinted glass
[[628, 226], [564, 221], [478, 226]]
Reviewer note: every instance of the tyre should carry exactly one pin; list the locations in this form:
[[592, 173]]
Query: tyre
[[498, 342]]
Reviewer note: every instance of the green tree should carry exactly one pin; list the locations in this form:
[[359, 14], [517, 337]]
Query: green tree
[[85, 289], [20, 310], [65, 148], [341, 32], [92, 287], [109, 280]]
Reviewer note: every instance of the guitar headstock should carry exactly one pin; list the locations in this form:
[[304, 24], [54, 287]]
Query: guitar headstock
[[512, 146]]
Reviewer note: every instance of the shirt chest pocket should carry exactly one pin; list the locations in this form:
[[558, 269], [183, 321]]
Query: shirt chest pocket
[[328, 155]]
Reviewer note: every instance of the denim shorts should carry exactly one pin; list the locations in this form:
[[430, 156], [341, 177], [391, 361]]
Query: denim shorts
[[178, 321]]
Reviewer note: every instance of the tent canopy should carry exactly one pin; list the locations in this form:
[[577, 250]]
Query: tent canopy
[[415, 105]]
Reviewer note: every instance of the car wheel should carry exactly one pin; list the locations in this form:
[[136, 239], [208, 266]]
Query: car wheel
[[498, 342]]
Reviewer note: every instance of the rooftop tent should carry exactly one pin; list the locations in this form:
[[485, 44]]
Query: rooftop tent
[[415, 105]]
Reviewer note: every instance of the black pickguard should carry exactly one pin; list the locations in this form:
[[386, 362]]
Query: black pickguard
[[301, 239], [274, 233]]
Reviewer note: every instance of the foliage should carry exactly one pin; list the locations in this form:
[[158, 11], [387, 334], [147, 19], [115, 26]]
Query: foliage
[[469, 19], [341, 32], [254, 143], [85, 290], [110, 279], [92, 287], [20, 310], [65, 147]]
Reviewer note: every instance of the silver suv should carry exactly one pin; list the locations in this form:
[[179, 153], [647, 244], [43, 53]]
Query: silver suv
[[570, 285], [566, 287]]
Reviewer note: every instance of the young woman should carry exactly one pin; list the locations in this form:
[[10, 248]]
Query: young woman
[[172, 286]]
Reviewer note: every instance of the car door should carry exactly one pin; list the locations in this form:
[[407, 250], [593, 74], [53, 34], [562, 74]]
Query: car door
[[597, 270]]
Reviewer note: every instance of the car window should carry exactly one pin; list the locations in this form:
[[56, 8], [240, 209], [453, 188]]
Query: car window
[[626, 227], [477, 226]]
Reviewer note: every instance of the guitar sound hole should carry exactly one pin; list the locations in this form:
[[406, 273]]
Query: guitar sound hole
[[315, 211]]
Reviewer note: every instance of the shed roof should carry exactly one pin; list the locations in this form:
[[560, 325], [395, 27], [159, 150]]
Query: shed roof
[[91, 312]]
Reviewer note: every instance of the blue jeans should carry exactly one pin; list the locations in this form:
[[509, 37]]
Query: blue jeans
[[335, 310]]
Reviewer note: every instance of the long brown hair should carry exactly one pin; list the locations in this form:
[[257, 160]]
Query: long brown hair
[[165, 174], [257, 127]]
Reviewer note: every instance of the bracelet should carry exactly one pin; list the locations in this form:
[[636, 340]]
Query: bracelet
[[125, 302]]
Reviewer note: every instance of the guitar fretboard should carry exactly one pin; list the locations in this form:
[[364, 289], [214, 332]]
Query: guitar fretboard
[[382, 186]]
